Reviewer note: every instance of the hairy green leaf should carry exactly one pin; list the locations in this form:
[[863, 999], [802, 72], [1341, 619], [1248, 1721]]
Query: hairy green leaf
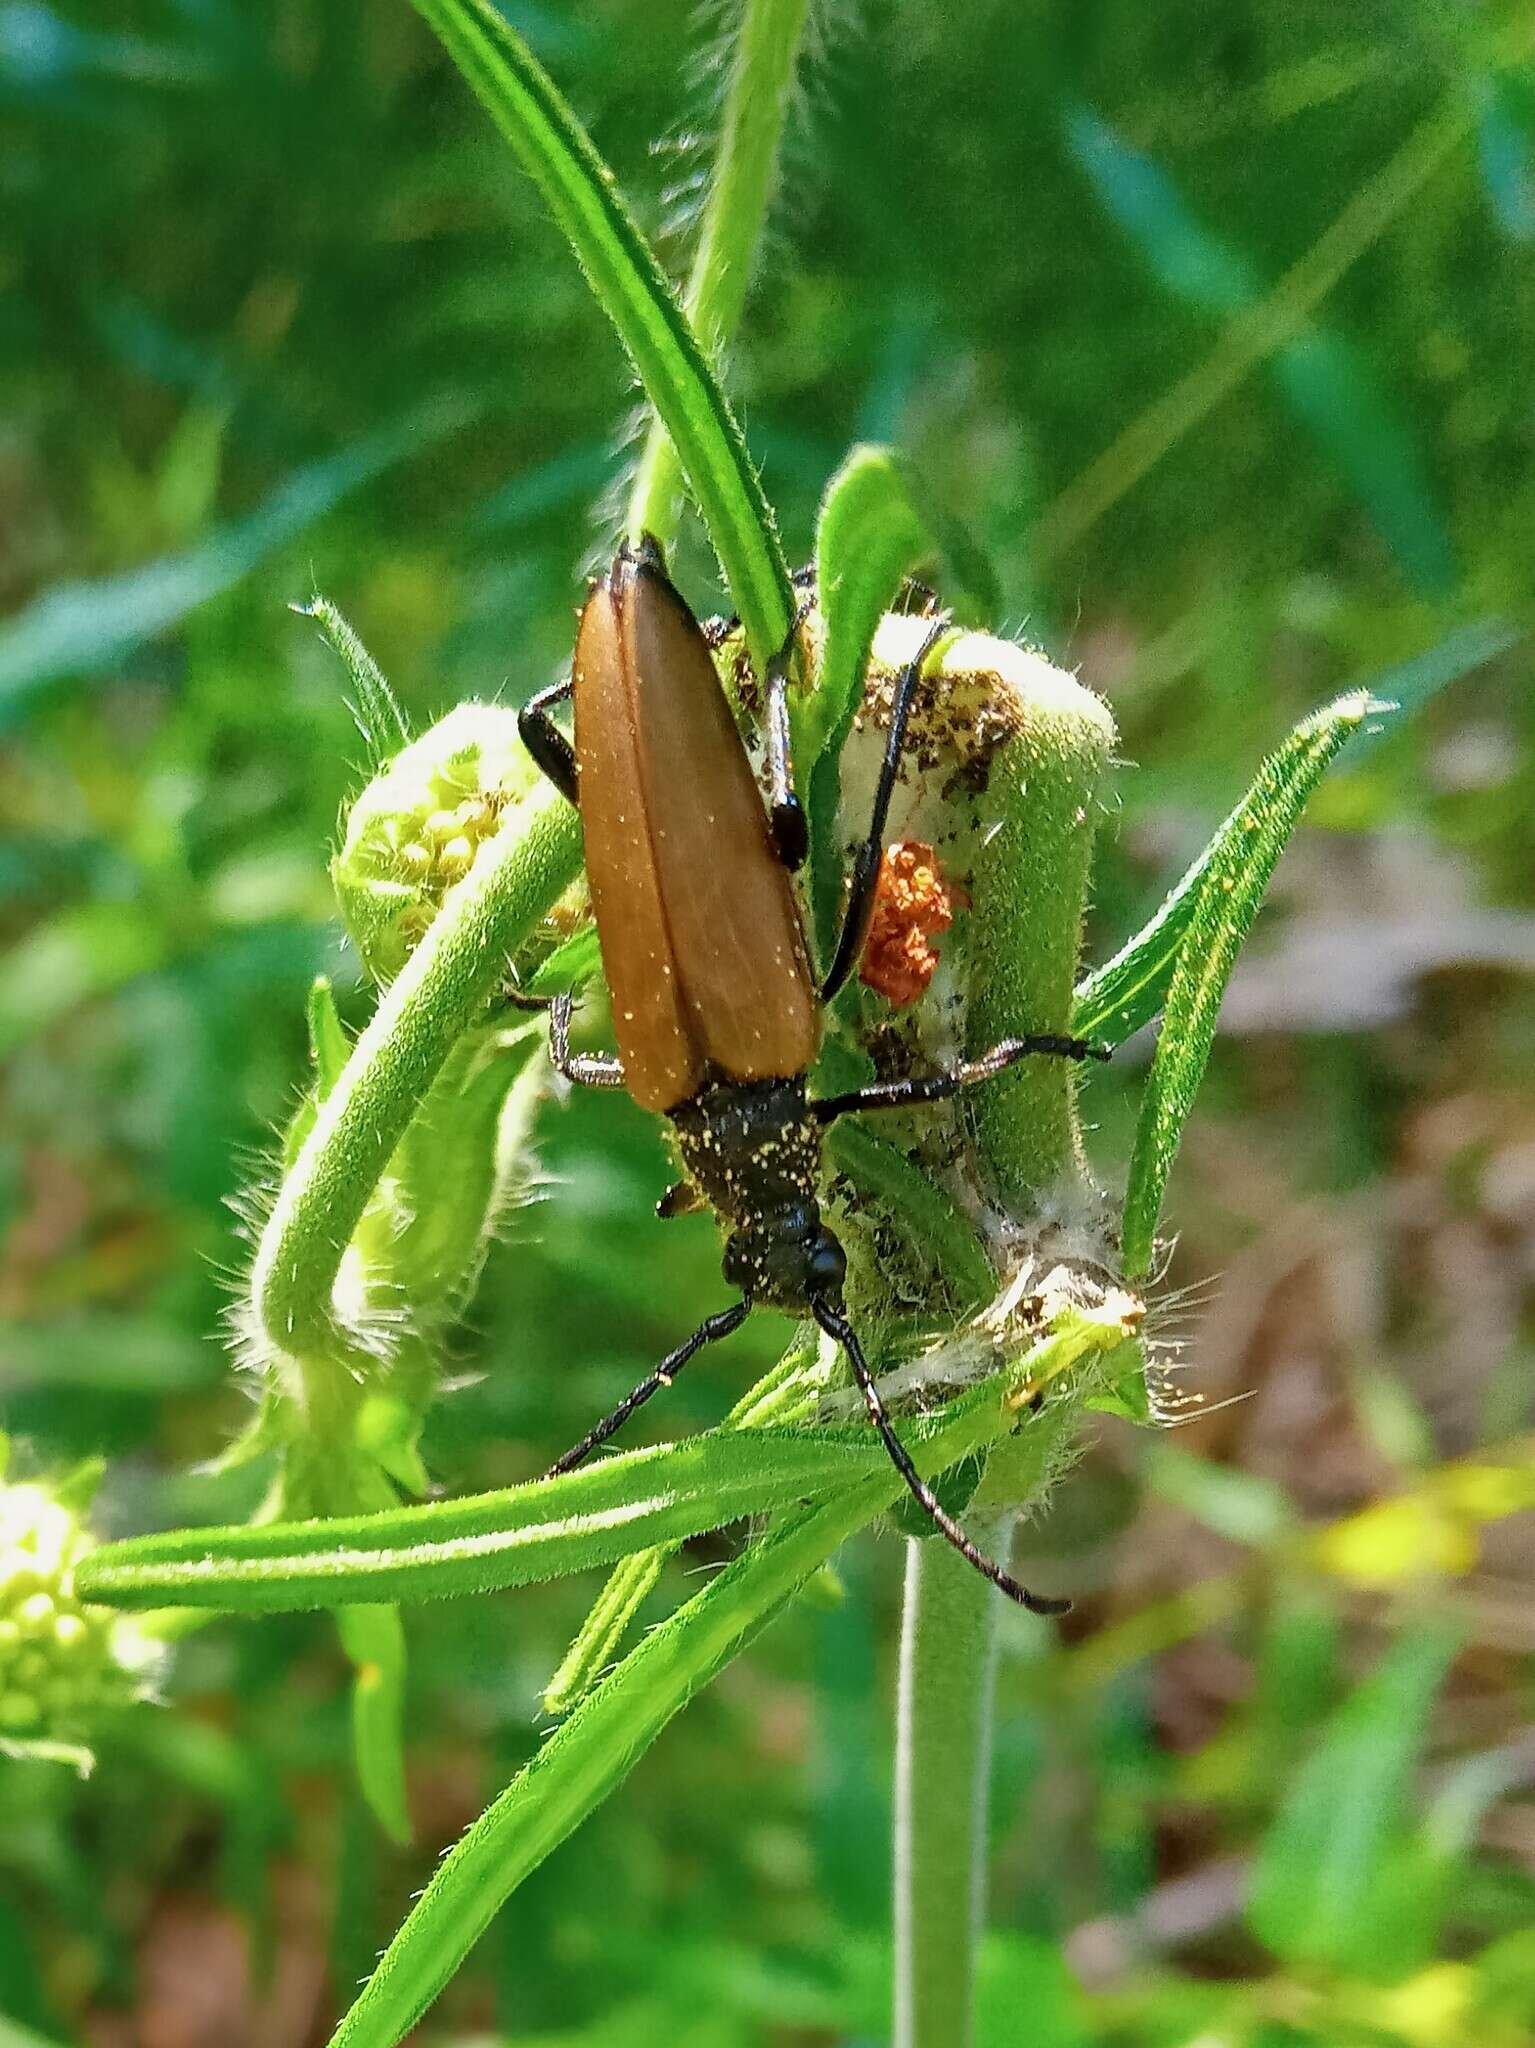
[[742, 182], [1115, 1000], [510, 1538], [1223, 901]]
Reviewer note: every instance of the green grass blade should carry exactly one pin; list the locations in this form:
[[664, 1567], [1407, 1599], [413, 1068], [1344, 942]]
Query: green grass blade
[[1342, 1878], [592, 1752], [580, 193], [510, 1538], [741, 188], [1254, 331], [1328, 383], [1116, 999], [1222, 905]]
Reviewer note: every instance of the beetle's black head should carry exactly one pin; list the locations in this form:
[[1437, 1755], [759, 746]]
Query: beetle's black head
[[787, 1260]]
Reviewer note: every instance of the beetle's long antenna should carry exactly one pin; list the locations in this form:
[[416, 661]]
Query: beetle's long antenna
[[841, 1331], [709, 1331], [865, 878]]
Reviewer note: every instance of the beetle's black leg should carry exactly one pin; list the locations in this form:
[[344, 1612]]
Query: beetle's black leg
[[865, 876], [680, 1199], [841, 1332], [911, 1093], [717, 631], [519, 1001], [586, 1069], [544, 740], [709, 1331]]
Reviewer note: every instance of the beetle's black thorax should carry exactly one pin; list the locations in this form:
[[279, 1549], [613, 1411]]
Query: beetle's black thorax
[[754, 1152], [751, 1146]]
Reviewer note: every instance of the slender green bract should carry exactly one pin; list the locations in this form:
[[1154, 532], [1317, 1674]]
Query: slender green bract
[[1221, 908], [380, 718], [581, 195], [375, 1642], [484, 1542]]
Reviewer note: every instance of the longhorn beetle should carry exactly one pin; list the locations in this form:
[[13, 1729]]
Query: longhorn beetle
[[715, 1007]]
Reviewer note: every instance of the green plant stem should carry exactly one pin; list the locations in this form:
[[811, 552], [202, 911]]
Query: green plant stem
[[949, 1634], [437, 995], [745, 176], [1028, 886]]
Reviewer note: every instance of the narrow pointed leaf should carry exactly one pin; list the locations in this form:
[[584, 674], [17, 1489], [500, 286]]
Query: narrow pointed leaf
[[551, 1526], [1223, 902], [742, 183], [582, 196], [595, 1643], [1116, 999]]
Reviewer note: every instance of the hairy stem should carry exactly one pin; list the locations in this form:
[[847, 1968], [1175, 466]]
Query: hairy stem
[[745, 175], [1027, 887], [949, 1631]]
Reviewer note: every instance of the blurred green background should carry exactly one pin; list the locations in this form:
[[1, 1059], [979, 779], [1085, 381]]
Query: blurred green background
[[1215, 324]]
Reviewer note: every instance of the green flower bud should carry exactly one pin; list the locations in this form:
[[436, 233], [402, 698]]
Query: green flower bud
[[64, 1667], [417, 827]]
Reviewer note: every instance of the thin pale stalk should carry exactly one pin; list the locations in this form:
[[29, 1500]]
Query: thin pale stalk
[[949, 1636]]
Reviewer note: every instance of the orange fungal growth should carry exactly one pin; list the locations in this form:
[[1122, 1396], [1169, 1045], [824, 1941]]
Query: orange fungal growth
[[912, 903]]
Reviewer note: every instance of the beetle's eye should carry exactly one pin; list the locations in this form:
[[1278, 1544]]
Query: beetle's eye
[[826, 1268]]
